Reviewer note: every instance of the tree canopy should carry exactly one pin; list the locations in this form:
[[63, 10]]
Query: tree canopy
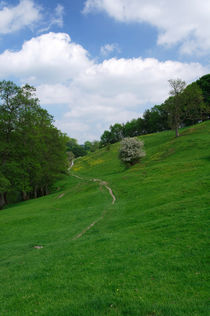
[[32, 150]]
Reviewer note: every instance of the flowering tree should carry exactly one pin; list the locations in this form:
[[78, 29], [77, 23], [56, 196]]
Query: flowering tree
[[131, 150]]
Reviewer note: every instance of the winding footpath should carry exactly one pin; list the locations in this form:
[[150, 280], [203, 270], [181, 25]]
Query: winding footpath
[[101, 183]]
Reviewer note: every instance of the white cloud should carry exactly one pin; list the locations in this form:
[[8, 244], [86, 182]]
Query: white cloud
[[96, 94], [48, 96], [55, 19], [50, 58], [12, 19], [58, 18], [182, 21], [28, 14], [107, 49]]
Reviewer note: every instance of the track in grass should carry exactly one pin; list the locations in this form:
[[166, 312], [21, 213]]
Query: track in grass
[[101, 183]]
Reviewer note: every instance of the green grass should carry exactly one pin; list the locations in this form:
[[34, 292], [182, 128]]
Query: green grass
[[147, 256]]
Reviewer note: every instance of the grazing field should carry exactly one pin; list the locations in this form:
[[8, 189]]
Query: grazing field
[[77, 252]]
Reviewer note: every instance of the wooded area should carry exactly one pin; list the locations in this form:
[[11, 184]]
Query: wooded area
[[184, 107], [32, 150]]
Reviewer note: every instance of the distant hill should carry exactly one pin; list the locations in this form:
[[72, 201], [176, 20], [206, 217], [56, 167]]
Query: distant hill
[[79, 252]]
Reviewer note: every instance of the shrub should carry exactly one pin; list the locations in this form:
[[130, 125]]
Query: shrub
[[131, 150]]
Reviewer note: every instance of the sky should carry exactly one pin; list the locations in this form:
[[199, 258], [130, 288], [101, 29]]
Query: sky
[[99, 62]]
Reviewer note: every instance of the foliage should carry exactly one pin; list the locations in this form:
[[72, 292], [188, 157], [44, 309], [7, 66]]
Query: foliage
[[114, 135], [91, 146], [155, 120], [185, 104], [131, 150], [32, 150], [194, 108], [105, 138], [174, 104], [204, 84], [75, 148]]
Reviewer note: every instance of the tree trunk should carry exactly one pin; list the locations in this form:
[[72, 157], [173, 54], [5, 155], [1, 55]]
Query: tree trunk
[[35, 192], [42, 191], [5, 197], [24, 196], [46, 191], [177, 131], [2, 200]]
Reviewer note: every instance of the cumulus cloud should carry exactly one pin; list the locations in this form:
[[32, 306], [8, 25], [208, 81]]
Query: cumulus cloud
[[95, 94], [12, 19], [187, 24], [109, 48], [50, 58]]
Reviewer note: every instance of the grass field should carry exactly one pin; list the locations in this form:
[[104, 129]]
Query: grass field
[[146, 255]]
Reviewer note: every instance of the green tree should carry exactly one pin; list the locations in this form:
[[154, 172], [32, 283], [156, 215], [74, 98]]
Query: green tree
[[194, 108], [116, 131], [87, 146], [130, 128], [91, 146], [105, 138], [95, 145], [186, 105], [204, 84], [155, 120], [32, 150], [75, 148], [140, 126]]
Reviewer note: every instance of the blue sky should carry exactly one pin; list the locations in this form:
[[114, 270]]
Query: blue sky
[[97, 62]]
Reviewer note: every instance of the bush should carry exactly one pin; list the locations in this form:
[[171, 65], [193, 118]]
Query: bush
[[131, 150]]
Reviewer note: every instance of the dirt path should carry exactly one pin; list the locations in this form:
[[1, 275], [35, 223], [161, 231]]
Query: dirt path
[[102, 184]]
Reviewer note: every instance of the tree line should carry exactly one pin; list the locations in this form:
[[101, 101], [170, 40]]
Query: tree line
[[34, 154], [75, 150], [32, 150], [185, 106]]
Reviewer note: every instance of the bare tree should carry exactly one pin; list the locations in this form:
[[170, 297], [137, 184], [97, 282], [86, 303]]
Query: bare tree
[[174, 104], [177, 85]]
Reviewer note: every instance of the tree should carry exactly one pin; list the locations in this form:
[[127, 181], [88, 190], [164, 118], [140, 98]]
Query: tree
[[140, 126], [116, 131], [87, 146], [194, 108], [91, 146], [95, 145], [155, 120], [75, 148], [185, 106], [105, 138], [32, 150], [174, 103], [4, 187], [177, 86], [130, 129], [131, 150], [204, 84]]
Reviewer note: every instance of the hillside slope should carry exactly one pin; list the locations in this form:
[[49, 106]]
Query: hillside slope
[[146, 254]]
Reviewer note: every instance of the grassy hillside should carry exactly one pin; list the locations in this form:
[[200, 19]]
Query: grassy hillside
[[146, 254]]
